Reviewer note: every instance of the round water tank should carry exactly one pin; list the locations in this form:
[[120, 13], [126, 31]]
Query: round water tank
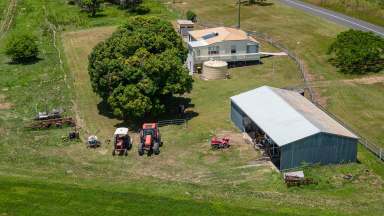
[[214, 70]]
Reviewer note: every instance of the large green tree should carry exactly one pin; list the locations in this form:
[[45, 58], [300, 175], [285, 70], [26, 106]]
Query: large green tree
[[357, 52], [140, 67]]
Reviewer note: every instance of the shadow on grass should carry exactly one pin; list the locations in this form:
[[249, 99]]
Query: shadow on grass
[[244, 64], [263, 4], [28, 61], [177, 107]]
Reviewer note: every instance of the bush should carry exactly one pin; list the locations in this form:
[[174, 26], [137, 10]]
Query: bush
[[141, 10], [22, 48], [357, 52], [140, 68], [191, 16]]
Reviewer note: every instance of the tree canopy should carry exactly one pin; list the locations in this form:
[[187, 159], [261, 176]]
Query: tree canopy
[[140, 67], [22, 48], [92, 6], [357, 52]]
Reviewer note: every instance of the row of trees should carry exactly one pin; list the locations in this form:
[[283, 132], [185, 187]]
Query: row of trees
[[140, 68], [92, 6]]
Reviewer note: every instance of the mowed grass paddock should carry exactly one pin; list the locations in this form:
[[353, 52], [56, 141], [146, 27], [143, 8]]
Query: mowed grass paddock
[[40, 174]]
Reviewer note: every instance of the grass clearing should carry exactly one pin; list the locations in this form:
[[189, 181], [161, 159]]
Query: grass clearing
[[369, 10], [42, 175]]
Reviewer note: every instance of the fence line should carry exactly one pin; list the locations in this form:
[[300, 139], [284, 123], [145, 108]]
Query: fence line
[[173, 122], [379, 152]]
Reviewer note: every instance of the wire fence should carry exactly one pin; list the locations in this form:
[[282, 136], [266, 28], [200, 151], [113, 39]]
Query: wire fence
[[173, 122], [377, 151]]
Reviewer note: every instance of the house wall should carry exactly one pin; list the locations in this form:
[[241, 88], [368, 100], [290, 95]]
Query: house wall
[[225, 47], [321, 148], [198, 57]]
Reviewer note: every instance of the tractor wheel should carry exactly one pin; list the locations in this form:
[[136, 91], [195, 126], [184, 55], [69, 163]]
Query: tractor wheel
[[130, 145], [141, 150], [156, 149]]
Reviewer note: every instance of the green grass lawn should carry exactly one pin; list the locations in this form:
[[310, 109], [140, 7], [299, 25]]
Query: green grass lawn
[[40, 174], [368, 10]]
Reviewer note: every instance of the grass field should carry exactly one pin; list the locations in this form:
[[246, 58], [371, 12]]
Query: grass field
[[40, 174], [368, 10]]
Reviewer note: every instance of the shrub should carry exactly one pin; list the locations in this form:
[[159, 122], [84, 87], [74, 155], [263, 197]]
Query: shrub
[[140, 68], [357, 52], [191, 16], [22, 48]]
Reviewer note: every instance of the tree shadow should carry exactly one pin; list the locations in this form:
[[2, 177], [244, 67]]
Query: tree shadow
[[28, 61], [244, 64], [177, 107], [98, 15], [263, 4]]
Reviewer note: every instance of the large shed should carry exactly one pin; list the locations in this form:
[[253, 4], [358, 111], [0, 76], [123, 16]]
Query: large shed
[[293, 130]]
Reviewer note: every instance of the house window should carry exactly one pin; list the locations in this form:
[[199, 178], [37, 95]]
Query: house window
[[214, 50], [233, 49], [197, 52], [251, 48]]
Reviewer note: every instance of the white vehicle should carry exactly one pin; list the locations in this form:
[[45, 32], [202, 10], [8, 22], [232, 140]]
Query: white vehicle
[[122, 142]]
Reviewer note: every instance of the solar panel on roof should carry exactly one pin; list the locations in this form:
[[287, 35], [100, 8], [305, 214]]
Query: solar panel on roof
[[210, 35]]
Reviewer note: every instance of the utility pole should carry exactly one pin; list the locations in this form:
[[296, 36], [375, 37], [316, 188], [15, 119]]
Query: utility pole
[[238, 13]]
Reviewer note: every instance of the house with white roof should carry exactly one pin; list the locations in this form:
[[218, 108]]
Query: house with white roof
[[222, 43]]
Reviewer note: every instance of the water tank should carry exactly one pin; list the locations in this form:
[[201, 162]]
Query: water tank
[[214, 70]]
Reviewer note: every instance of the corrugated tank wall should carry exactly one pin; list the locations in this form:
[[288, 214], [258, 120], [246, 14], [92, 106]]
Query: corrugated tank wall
[[321, 148]]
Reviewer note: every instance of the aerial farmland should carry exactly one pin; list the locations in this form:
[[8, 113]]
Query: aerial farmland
[[188, 107]]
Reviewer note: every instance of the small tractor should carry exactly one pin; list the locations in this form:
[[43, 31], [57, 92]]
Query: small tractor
[[93, 142], [217, 143], [150, 140], [122, 142]]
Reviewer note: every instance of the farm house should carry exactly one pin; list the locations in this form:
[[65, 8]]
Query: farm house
[[291, 129]]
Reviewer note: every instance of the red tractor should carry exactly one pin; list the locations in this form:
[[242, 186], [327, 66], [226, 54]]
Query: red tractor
[[150, 140], [218, 143]]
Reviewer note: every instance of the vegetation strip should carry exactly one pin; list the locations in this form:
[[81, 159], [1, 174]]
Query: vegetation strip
[[8, 18]]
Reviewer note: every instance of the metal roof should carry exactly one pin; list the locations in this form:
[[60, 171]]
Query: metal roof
[[185, 22], [220, 34], [121, 131], [286, 116], [200, 43]]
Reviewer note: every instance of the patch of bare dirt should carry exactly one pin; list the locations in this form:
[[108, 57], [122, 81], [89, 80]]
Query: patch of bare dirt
[[366, 80], [3, 104]]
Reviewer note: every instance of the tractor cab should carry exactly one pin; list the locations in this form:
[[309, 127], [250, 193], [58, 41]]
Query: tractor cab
[[150, 140], [122, 141]]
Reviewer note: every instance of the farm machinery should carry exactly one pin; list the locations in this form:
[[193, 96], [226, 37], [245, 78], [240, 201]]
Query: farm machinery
[[93, 142], [150, 139], [220, 143], [122, 142]]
